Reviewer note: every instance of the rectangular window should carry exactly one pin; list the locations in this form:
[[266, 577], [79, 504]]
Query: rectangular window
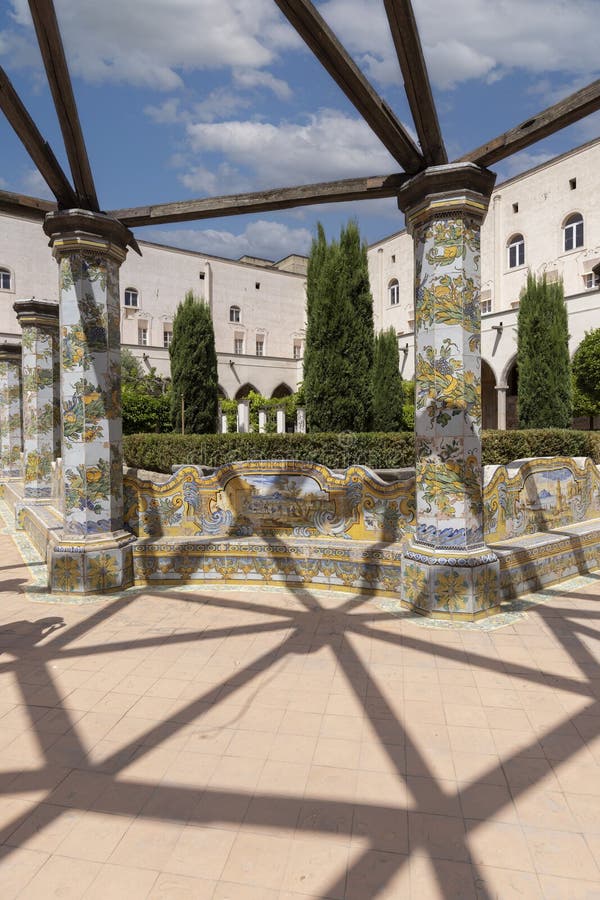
[[393, 257], [260, 346], [131, 297], [572, 183], [202, 276], [486, 305], [515, 207], [167, 337], [4, 280], [297, 350], [591, 281], [143, 337], [238, 345], [257, 285]]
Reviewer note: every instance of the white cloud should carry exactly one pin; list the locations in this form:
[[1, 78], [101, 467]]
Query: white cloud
[[33, 184], [475, 38], [152, 43], [326, 146], [225, 179], [251, 78], [263, 238]]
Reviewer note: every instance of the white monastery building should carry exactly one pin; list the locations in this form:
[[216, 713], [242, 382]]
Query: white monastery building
[[546, 220]]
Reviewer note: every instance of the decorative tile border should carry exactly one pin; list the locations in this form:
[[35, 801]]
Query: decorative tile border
[[511, 612]]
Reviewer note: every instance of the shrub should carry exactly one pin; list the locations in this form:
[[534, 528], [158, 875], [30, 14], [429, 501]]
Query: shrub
[[159, 452], [142, 412]]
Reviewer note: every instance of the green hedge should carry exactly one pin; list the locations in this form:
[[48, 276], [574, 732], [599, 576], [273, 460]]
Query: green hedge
[[501, 447], [159, 452]]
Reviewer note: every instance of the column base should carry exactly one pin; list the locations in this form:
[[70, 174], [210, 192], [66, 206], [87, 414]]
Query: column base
[[451, 584], [100, 565]]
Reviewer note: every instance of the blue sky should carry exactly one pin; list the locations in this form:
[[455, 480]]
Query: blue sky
[[191, 98]]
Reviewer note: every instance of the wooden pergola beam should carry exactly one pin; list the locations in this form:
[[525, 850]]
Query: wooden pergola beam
[[407, 42], [33, 207], [574, 107], [55, 63], [39, 150], [376, 186], [313, 29]]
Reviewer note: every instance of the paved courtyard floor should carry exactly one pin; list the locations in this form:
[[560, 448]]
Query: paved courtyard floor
[[259, 744]]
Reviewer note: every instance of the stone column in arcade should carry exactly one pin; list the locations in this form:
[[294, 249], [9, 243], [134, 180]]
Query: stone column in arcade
[[11, 432], [41, 394], [447, 569], [93, 554]]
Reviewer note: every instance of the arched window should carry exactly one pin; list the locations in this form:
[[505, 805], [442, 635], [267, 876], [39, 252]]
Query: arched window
[[516, 251], [234, 314], [131, 297], [573, 230], [5, 280], [394, 292]]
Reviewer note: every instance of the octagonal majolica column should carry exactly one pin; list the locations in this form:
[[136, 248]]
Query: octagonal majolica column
[[447, 570], [94, 551], [11, 433], [41, 393]]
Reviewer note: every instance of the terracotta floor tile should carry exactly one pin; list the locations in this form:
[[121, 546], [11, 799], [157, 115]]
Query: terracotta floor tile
[[549, 809], [380, 828], [429, 795], [377, 757], [168, 886], [568, 888], [385, 788], [116, 882], [440, 837], [458, 714], [487, 801], [302, 723], [561, 853], [45, 828], [498, 844], [337, 753], [586, 809], [506, 884], [18, 867], [377, 874], [258, 861], [227, 890], [316, 867], [441, 879], [200, 852], [62, 877], [79, 789], [147, 844], [94, 836]]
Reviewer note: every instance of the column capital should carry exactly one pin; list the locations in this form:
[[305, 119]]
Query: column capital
[[36, 312], [10, 352], [79, 229], [462, 188]]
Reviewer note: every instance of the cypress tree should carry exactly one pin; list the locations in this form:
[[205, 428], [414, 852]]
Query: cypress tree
[[339, 337], [544, 392], [194, 368], [388, 394]]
